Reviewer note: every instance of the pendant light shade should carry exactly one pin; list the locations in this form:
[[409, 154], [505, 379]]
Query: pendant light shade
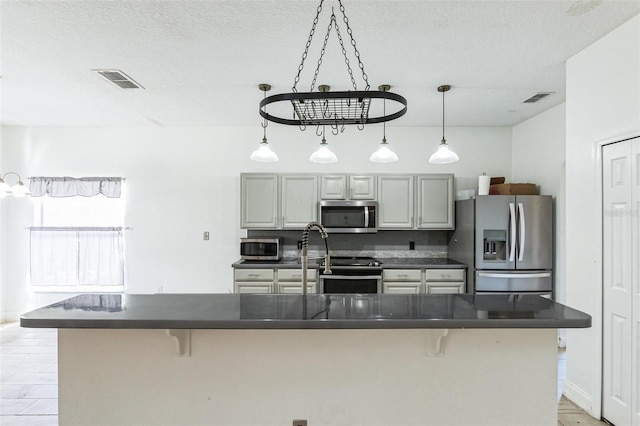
[[323, 154], [264, 153], [384, 153], [444, 154]]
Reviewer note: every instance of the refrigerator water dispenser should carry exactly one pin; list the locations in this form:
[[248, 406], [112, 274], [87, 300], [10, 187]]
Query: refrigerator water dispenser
[[495, 245]]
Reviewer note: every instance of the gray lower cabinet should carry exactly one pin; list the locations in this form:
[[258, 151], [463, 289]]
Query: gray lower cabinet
[[290, 281], [269, 281], [253, 280], [402, 281], [429, 281], [445, 281]]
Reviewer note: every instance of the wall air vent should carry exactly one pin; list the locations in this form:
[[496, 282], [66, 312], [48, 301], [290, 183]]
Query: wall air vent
[[119, 78], [538, 96]]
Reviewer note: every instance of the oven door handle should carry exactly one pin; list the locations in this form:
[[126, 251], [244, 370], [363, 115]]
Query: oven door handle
[[350, 277]]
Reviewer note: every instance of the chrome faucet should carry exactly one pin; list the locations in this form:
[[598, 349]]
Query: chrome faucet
[[304, 253]]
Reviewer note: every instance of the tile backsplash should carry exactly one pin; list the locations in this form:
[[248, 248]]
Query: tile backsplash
[[383, 244]]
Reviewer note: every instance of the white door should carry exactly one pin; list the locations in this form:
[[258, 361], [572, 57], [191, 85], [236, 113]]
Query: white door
[[621, 244]]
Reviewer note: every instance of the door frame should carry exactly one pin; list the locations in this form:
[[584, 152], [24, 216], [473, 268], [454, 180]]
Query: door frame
[[597, 319]]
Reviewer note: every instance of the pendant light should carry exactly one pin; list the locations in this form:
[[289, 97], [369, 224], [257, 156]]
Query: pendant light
[[443, 155], [17, 190], [384, 153], [323, 154], [264, 153]]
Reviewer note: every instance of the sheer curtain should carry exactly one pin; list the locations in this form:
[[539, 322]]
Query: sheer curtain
[[76, 256]]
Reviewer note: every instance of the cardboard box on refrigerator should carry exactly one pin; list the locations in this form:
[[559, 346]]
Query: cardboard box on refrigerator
[[513, 189]]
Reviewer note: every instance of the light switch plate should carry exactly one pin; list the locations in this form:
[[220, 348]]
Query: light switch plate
[[205, 236]]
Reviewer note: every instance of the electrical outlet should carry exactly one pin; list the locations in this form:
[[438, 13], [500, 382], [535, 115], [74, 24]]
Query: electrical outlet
[[412, 245], [299, 423], [205, 236]]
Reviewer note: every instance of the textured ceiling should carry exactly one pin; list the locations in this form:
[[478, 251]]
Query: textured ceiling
[[200, 62]]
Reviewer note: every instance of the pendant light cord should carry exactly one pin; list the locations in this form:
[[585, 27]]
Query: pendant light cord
[[443, 115]]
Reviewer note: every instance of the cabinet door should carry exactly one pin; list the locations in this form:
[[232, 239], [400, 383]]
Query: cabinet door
[[299, 200], [401, 287], [333, 187], [395, 198], [259, 201], [362, 187], [435, 201], [253, 287], [444, 287], [295, 288]]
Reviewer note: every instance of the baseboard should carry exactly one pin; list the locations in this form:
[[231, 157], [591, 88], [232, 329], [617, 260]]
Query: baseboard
[[578, 396]]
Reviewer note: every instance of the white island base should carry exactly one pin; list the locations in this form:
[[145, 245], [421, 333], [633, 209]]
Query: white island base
[[327, 377]]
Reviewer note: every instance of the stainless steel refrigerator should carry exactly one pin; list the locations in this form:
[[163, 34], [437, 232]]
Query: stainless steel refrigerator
[[507, 243]]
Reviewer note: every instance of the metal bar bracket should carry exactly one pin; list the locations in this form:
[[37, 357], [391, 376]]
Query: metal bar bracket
[[434, 341], [183, 340]]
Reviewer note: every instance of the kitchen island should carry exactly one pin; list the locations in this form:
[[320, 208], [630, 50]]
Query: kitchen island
[[248, 359]]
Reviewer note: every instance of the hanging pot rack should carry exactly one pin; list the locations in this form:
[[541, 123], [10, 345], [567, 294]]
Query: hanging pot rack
[[335, 109]]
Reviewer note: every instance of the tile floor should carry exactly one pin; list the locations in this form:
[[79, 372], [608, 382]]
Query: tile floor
[[29, 380]]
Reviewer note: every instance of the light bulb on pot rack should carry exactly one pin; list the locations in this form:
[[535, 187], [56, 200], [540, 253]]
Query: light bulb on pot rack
[[334, 109], [17, 190], [443, 155], [264, 154]]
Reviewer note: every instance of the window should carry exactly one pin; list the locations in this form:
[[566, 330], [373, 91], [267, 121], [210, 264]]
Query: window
[[77, 241]]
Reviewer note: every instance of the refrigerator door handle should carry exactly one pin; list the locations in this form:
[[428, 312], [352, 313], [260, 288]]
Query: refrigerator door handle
[[516, 276], [523, 231], [512, 219]]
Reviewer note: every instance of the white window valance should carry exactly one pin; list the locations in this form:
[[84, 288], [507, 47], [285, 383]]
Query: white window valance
[[70, 187]]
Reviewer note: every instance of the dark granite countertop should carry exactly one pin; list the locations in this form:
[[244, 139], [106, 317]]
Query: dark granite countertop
[[388, 263], [316, 311]]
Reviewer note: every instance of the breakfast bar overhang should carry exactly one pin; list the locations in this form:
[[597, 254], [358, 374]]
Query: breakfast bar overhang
[[348, 359]]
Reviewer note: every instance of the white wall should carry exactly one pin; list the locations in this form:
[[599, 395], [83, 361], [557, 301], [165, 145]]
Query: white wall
[[181, 181], [538, 150], [603, 102]]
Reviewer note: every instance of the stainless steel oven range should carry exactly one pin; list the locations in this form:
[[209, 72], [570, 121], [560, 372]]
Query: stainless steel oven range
[[361, 275]]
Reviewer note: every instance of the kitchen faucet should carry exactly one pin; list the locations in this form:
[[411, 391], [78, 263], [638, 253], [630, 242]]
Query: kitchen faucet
[[305, 246]]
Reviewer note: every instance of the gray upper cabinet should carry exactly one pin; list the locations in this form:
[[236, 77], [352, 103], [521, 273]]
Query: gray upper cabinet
[[290, 201], [347, 187], [299, 200], [435, 202], [395, 199], [362, 187], [333, 187], [259, 201]]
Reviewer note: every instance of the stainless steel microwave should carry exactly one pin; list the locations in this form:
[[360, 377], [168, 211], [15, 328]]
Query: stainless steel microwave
[[349, 216], [260, 249]]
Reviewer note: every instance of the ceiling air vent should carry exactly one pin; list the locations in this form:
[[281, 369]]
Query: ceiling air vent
[[119, 78], [535, 98]]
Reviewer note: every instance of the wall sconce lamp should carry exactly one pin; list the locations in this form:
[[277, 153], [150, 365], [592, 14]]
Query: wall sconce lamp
[[17, 190]]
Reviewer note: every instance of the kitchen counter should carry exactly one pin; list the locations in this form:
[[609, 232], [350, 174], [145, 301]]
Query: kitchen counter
[[314, 311], [249, 359], [387, 263]]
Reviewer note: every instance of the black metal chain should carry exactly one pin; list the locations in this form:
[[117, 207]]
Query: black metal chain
[[306, 48], [344, 52], [353, 43]]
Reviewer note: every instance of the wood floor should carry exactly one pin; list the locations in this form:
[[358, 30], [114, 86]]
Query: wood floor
[[29, 380]]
